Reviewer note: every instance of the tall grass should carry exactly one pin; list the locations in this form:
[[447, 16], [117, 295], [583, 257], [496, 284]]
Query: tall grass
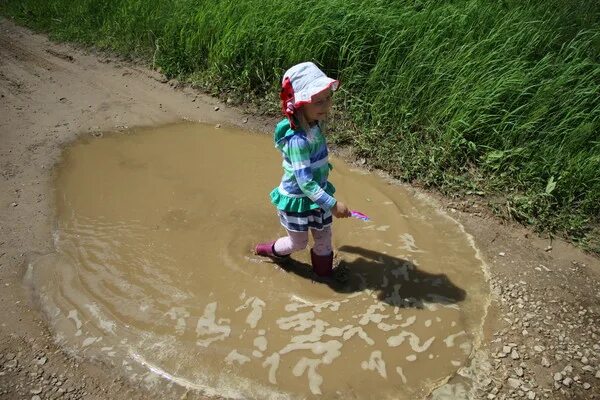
[[464, 95]]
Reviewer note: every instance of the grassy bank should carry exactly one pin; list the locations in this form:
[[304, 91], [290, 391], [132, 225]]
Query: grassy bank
[[499, 99]]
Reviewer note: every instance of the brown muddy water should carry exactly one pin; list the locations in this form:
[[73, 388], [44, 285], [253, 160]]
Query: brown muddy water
[[153, 273]]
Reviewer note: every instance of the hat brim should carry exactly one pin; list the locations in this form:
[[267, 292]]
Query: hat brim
[[316, 87]]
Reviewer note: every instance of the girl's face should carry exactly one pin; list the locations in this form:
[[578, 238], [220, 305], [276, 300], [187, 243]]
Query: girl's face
[[318, 108]]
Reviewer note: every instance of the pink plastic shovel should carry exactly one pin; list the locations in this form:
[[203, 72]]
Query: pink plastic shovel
[[359, 215]]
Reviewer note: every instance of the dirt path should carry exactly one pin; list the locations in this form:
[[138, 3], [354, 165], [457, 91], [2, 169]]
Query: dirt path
[[544, 327]]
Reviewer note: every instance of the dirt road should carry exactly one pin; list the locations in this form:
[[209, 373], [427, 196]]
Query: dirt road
[[543, 331]]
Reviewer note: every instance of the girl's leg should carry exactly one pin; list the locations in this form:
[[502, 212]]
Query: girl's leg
[[291, 243], [323, 246], [321, 256]]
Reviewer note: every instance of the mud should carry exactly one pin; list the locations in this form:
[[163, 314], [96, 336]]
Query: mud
[[154, 273]]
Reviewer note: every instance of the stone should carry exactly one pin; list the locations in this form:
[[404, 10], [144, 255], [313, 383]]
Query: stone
[[538, 348], [514, 355], [514, 383], [584, 360], [519, 372], [545, 362], [531, 395], [556, 385], [558, 376], [37, 390], [567, 381], [587, 386]]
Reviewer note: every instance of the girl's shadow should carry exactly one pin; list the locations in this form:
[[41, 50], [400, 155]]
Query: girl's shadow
[[398, 282]]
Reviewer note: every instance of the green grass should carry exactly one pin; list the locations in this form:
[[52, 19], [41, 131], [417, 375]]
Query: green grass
[[467, 96]]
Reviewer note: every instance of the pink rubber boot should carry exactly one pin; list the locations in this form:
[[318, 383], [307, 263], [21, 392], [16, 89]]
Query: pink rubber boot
[[268, 250], [322, 265]]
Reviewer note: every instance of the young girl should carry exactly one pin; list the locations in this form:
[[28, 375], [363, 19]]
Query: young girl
[[304, 198]]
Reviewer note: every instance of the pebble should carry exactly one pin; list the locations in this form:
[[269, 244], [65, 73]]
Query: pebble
[[598, 374], [37, 390], [514, 355], [587, 386], [42, 361], [514, 383], [558, 376], [36, 397], [567, 381], [584, 360], [218, 126], [217, 108], [11, 364], [539, 349], [519, 372], [545, 362], [531, 395]]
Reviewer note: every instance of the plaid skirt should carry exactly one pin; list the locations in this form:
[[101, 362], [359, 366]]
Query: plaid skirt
[[302, 221]]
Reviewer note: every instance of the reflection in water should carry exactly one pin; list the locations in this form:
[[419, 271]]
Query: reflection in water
[[153, 272]]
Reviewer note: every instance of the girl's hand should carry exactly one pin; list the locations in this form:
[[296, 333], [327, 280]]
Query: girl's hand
[[339, 210]]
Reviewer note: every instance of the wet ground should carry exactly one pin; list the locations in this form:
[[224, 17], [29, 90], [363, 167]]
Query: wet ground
[[153, 273]]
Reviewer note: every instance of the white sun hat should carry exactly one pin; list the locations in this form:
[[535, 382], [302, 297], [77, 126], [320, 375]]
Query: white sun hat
[[307, 80]]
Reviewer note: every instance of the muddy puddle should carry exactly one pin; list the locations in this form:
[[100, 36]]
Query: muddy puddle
[[153, 274]]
